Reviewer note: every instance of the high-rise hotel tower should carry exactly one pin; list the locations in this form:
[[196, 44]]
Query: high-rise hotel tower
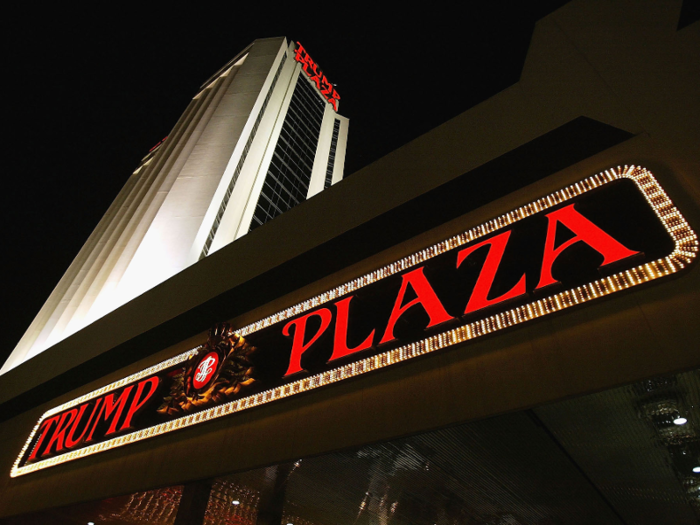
[[262, 135]]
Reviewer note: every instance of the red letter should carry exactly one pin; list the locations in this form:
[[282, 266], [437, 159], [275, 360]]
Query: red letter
[[107, 408], [584, 230], [340, 340], [426, 298], [44, 429], [60, 431], [479, 298], [70, 440], [298, 346], [137, 403]]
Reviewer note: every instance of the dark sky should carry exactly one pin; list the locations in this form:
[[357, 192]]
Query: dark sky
[[88, 93]]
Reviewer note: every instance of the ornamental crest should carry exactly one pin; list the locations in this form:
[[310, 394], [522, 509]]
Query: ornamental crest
[[220, 369]]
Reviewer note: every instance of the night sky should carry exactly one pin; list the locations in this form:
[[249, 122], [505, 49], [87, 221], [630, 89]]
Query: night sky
[[88, 94]]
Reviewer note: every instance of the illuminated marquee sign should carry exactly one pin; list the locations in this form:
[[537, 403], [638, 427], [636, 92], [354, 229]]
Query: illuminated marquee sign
[[316, 75], [609, 232]]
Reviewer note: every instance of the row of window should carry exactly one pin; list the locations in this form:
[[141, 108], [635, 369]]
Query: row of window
[[331, 154], [288, 177]]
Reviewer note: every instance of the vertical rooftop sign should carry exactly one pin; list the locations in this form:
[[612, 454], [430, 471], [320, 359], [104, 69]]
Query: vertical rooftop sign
[[316, 75]]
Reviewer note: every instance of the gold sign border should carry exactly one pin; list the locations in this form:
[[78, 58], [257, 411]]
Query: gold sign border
[[686, 248]]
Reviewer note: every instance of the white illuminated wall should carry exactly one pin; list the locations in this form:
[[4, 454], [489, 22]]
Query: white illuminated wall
[[160, 221]]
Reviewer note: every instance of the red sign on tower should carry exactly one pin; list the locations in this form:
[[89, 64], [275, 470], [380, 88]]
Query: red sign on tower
[[316, 75]]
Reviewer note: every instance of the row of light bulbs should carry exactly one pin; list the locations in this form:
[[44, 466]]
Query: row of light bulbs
[[680, 421]]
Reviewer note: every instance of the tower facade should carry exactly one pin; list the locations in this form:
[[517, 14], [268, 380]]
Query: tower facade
[[262, 135]]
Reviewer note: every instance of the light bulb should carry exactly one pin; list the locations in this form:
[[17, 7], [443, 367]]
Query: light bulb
[[680, 421]]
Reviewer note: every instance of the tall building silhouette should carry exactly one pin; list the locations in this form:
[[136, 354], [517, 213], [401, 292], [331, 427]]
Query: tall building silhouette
[[262, 135]]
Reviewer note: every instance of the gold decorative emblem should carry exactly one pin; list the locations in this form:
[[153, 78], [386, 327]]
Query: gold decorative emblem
[[234, 373]]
